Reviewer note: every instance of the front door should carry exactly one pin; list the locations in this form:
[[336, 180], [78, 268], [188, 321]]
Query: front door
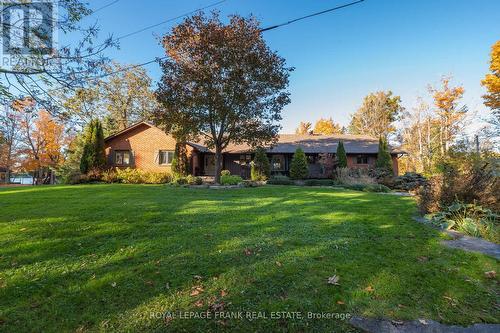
[[209, 165]]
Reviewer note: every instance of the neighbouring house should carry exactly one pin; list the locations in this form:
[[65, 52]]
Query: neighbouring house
[[146, 147]]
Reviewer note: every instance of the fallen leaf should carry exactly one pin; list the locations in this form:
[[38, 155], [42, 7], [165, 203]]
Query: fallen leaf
[[397, 322], [113, 284], [167, 320], [401, 306], [195, 291], [22, 229], [333, 280], [490, 274], [247, 252], [149, 283], [198, 303], [223, 293], [369, 289], [423, 321], [278, 264], [340, 303], [217, 307], [198, 277], [167, 285], [423, 259]]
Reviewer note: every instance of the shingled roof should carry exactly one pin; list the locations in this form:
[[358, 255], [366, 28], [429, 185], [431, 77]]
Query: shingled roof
[[311, 144], [288, 143]]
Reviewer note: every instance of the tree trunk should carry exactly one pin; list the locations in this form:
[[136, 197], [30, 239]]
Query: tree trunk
[[218, 163]]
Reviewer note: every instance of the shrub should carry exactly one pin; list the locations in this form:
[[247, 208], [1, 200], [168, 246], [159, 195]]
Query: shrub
[[280, 180], [384, 159], [110, 176], [346, 176], [136, 176], [319, 182], [230, 180], [252, 183], [470, 219], [298, 167], [341, 155], [129, 176], [198, 181], [156, 177], [467, 178], [261, 168], [225, 173], [179, 181]]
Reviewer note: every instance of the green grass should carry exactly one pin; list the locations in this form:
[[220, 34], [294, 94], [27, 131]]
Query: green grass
[[108, 257]]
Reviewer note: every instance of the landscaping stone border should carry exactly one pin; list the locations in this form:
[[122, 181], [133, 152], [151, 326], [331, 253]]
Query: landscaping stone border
[[466, 243]]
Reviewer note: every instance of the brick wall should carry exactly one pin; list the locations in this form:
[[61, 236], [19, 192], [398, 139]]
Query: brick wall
[[144, 142]]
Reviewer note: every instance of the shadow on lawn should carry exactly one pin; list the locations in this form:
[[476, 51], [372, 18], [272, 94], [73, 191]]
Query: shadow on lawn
[[82, 269]]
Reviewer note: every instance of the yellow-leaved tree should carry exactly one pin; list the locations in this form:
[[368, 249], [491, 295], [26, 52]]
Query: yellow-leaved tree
[[327, 127], [492, 80]]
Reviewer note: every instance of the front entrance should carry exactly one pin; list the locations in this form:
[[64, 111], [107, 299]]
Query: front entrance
[[209, 165]]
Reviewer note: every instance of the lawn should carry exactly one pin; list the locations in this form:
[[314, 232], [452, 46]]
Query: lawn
[[117, 257]]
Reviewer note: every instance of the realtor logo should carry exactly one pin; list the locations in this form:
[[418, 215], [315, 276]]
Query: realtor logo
[[28, 27]]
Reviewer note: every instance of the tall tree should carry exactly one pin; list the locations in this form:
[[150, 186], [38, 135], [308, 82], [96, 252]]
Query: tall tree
[[221, 82], [127, 94], [449, 114], [41, 66], [93, 156], [43, 138], [327, 127], [418, 137], [492, 81], [305, 128], [384, 159], [492, 84], [341, 155], [10, 134], [377, 115]]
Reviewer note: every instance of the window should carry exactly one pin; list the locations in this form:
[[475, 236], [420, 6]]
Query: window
[[278, 163], [245, 159], [122, 157], [362, 159], [165, 157]]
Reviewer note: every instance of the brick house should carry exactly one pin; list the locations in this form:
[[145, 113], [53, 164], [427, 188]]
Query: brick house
[[147, 147]]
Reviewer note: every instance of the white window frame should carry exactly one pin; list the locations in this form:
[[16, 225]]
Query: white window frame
[[168, 153]]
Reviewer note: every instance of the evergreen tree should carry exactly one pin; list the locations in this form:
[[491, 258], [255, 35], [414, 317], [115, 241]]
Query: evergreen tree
[[341, 155], [298, 167], [93, 156], [261, 168], [384, 159]]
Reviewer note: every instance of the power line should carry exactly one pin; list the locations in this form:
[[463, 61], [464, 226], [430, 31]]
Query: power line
[[105, 6], [169, 20], [310, 15], [261, 30]]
